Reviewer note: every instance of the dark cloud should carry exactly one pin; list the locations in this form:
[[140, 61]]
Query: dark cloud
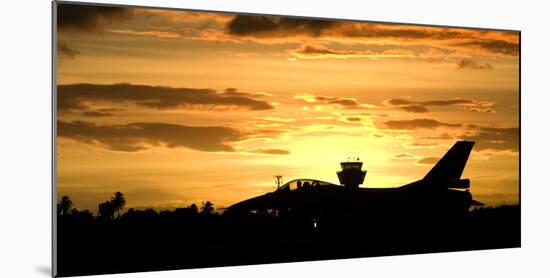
[[431, 102], [420, 145], [277, 27], [89, 17], [442, 136], [246, 25], [311, 49], [471, 64], [486, 110], [414, 108], [486, 138], [264, 133], [65, 51], [102, 112], [399, 101], [318, 51], [428, 160], [369, 30], [493, 46], [233, 92], [140, 136], [354, 119], [281, 27], [349, 103], [417, 123], [95, 113], [420, 106], [497, 139], [271, 151], [249, 25], [449, 102], [80, 96], [404, 156]]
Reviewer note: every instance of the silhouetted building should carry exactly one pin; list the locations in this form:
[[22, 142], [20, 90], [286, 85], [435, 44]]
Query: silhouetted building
[[351, 175]]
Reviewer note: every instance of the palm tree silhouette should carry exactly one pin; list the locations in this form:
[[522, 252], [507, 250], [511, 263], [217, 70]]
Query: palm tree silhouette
[[118, 202], [193, 209], [207, 208], [105, 210], [64, 206]]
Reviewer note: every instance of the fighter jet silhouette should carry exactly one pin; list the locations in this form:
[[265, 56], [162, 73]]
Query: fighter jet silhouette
[[441, 191]]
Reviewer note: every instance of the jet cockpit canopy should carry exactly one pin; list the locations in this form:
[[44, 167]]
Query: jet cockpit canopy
[[298, 184]]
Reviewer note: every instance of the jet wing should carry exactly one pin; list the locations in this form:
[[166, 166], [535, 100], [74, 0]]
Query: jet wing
[[477, 203]]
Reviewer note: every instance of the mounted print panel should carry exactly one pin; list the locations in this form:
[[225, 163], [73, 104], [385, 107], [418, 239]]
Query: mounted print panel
[[191, 139]]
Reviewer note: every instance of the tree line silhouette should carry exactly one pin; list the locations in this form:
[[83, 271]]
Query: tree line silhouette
[[110, 210], [193, 236]]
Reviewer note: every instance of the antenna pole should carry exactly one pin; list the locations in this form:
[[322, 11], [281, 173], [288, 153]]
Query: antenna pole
[[278, 180]]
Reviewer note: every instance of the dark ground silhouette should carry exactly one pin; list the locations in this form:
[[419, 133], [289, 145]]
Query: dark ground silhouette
[[192, 237]]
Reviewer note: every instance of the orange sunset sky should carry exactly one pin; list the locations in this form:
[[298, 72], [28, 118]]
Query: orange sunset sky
[[178, 107]]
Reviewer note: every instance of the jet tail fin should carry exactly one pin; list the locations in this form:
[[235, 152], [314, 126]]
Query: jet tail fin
[[450, 167]]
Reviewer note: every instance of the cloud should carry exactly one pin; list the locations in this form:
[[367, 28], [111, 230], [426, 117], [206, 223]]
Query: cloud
[[354, 119], [431, 160], [457, 37], [263, 133], [404, 156], [442, 136], [321, 52], [271, 151], [167, 24], [471, 64], [95, 113], [496, 139], [102, 112], [65, 51], [82, 17], [80, 96], [494, 46], [373, 51], [152, 33], [349, 103], [265, 26], [246, 25], [141, 136], [417, 123], [456, 101], [415, 145], [420, 106], [414, 108], [274, 27], [233, 92], [385, 31], [486, 110], [278, 120], [202, 19]]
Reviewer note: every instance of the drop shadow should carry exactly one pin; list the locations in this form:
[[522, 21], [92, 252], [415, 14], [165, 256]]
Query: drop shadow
[[45, 270]]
